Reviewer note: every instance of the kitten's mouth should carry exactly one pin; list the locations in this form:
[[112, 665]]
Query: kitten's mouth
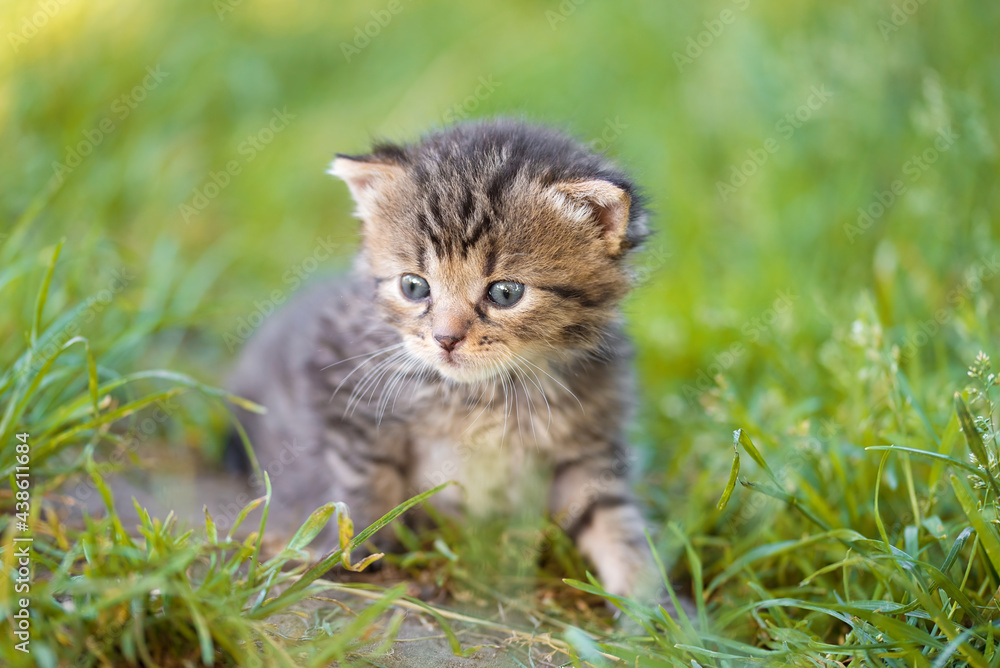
[[456, 365], [454, 368]]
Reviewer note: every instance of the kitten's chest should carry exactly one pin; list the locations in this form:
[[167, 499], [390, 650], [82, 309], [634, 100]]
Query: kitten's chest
[[496, 443], [495, 418]]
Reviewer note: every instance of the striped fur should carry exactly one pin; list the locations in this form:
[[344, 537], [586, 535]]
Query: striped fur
[[538, 392]]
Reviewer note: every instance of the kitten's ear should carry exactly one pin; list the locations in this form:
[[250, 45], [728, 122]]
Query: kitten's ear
[[600, 201], [366, 176]]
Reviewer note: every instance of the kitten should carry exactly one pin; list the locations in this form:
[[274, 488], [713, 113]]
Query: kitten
[[478, 339]]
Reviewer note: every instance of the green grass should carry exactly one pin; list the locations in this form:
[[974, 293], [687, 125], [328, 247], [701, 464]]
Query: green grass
[[854, 526]]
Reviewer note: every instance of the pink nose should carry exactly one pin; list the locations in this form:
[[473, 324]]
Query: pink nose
[[448, 341]]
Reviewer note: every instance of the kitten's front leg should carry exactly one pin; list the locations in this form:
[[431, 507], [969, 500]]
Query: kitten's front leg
[[591, 500], [366, 470]]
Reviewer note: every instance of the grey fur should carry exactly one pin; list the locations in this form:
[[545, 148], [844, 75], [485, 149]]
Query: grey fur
[[360, 410]]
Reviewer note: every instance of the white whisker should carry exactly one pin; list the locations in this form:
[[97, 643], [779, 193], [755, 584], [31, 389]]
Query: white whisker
[[371, 354], [373, 385], [368, 379], [537, 383], [531, 418], [485, 405], [396, 382], [367, 359], [555, 380]]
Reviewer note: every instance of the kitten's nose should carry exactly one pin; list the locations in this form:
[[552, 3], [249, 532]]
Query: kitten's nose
[[448, 341]]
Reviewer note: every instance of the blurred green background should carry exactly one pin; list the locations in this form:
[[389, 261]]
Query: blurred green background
[[823, 175]]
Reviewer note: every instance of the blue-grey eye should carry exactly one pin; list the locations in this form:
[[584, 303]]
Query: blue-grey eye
[[414, 287], [505, 293]]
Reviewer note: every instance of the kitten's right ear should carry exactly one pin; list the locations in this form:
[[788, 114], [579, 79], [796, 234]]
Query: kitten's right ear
[[366, 176]]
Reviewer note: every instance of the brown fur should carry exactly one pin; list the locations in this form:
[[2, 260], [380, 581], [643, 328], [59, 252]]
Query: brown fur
[[359, 376]]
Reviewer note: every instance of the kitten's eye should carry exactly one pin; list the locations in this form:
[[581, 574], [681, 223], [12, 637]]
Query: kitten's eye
[[505, 293], [414, 287]]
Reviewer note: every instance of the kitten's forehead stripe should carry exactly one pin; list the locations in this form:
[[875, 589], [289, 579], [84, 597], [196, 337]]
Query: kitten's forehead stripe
[[434, 204], [442, 242], [500, 183], [468, 204], [425, 226], [490, 265], [476, 234]]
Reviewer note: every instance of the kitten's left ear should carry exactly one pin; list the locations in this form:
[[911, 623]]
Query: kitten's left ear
[[603, 202], [367, 177]]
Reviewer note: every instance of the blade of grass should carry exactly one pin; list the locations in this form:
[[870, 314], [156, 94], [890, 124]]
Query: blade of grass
[[988, 537], [972, 435], [679, 610], [694, 563], [318, 569], [734, 473], [740, 438], [43, 292], [781, 547], [944, 458]]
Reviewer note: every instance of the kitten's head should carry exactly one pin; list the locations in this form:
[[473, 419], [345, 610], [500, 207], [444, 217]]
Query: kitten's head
[[493, 243]]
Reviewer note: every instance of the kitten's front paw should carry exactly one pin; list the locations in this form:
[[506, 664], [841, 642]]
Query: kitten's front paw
[[624, 570], [615, 543], [631, 573]]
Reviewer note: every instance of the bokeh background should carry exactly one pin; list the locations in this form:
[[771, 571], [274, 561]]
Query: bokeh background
[[824, 178]]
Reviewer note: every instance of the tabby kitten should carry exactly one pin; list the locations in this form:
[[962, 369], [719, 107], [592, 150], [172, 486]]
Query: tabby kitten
[[478, 339]]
